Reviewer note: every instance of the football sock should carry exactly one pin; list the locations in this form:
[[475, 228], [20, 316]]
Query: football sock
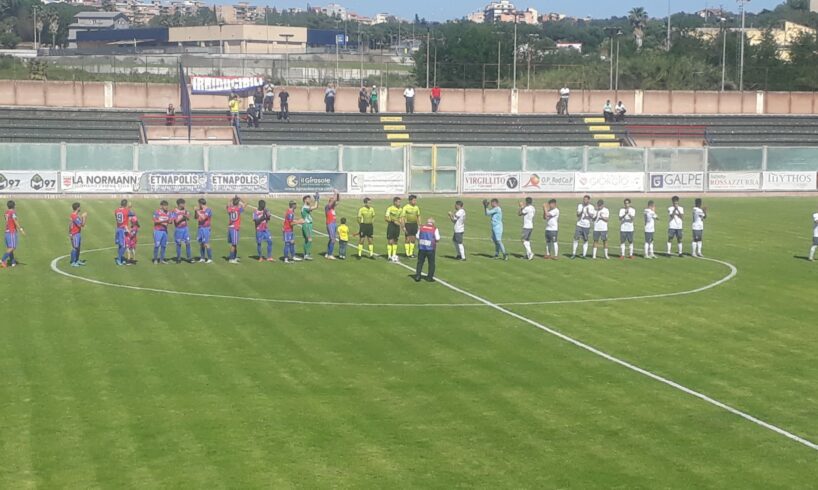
[[179, 251], [631, 250], [680, 247], [258, 249], [155, 253], [372, 250], [556, 249], [407, 249], [574, 249], [622, 249], [585, 249], [360, 250], [594, 253], [527, 246], [606, 252], [188, 251], [162, 251], [308, 248], [668, 247], [812, 252], [462, 250], [700, 248], [331, 247], [502, 248], [11, 257], [210, 254], [270, 249]]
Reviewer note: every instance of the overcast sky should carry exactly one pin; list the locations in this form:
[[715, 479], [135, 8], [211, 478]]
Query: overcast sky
[[453, 9]]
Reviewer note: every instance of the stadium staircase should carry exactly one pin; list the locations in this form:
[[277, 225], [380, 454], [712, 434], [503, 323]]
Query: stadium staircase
[[39, 125]]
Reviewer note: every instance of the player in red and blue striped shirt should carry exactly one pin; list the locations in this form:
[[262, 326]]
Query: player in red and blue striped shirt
[[121, 215], [204, 216], [261, 218], [77, 223], [12, 226], [234, 209], [180, 217], [161, 218]]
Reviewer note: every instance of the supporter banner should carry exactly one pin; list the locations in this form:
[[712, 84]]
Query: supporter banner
[[548, 182], [13, 182], [225, 85], [676, 181], [174, 182], [103, 182], [491, 181], [609, 181], [239, 182], [308, 182], [377, 183], [734, 181], [789, 181]]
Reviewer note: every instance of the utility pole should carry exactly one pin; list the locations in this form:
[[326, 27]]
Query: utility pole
[[616, 85], [434, 77], [35, 27], [514, 70], [499, 44], [611, 57], [668, 25], [428, 38], [743, 39], [723, 52]]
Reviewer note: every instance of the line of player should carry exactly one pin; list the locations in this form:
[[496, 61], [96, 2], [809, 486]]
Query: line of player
[[400, 220]]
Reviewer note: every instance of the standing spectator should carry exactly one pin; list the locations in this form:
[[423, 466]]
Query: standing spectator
[[435, 98], [409, 95], [427, 237], [234, 105], [253, 115], [607, 111], [363, 100], [284, 104], [258, 101], [373, 100], [329, 98], [170, 115], [619, 112], [565, 94], [269, 96]]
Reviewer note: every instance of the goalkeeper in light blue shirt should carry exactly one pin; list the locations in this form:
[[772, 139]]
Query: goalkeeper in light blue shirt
[[494, 211]]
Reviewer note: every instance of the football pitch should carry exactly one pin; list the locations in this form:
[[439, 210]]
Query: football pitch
[[666, 373]]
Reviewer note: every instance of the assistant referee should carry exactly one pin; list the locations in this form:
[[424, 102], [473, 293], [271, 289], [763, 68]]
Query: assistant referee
[[393, 228], [366, 228]]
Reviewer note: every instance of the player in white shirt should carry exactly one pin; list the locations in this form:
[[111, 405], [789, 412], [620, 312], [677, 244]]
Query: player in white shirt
[[585, 214], [675, 224], [699, 215], [551, 215], [626, 217], [458, 217], [650, 229], [527, 211], [601, 227], [814, 237]]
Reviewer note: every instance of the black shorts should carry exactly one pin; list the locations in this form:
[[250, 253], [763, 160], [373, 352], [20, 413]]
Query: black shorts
[[392, 231], [367, 230], [411, 229]]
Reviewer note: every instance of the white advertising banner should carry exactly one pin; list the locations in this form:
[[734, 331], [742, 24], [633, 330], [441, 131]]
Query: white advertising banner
[[676, 181], [377, 183], [735, 181], [15, 182], [548, 182], [239, 182], [609, 182], [491, 181], [105, 182], [789, 181]]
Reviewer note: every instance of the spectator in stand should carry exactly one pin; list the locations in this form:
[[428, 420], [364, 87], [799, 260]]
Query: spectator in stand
[[253, 115], [170, 113], [363, 100], [329, 98], [258, 101], [619, 112], [373, 100], [284, 104], [269, 96], [435, 98], [607, 111], [234, 105], [565, 94], [409, 95]]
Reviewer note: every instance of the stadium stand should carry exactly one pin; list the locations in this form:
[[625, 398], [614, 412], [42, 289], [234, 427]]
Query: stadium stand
[[104, 126]]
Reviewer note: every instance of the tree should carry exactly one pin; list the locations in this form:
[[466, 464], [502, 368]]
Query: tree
[[53, 24], [638, 19]]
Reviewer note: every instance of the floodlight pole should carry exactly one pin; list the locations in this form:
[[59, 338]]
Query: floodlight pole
[[723, 52], [743, 39], [514, 70]]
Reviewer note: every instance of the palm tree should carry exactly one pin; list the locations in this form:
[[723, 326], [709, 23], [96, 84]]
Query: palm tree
[[53, 27], [638, 19]]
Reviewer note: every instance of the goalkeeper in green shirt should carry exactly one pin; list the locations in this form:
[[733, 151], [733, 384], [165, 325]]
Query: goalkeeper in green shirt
[[310, 204]]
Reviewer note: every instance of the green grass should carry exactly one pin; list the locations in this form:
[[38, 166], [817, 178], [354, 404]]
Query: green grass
[[107, 387]]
